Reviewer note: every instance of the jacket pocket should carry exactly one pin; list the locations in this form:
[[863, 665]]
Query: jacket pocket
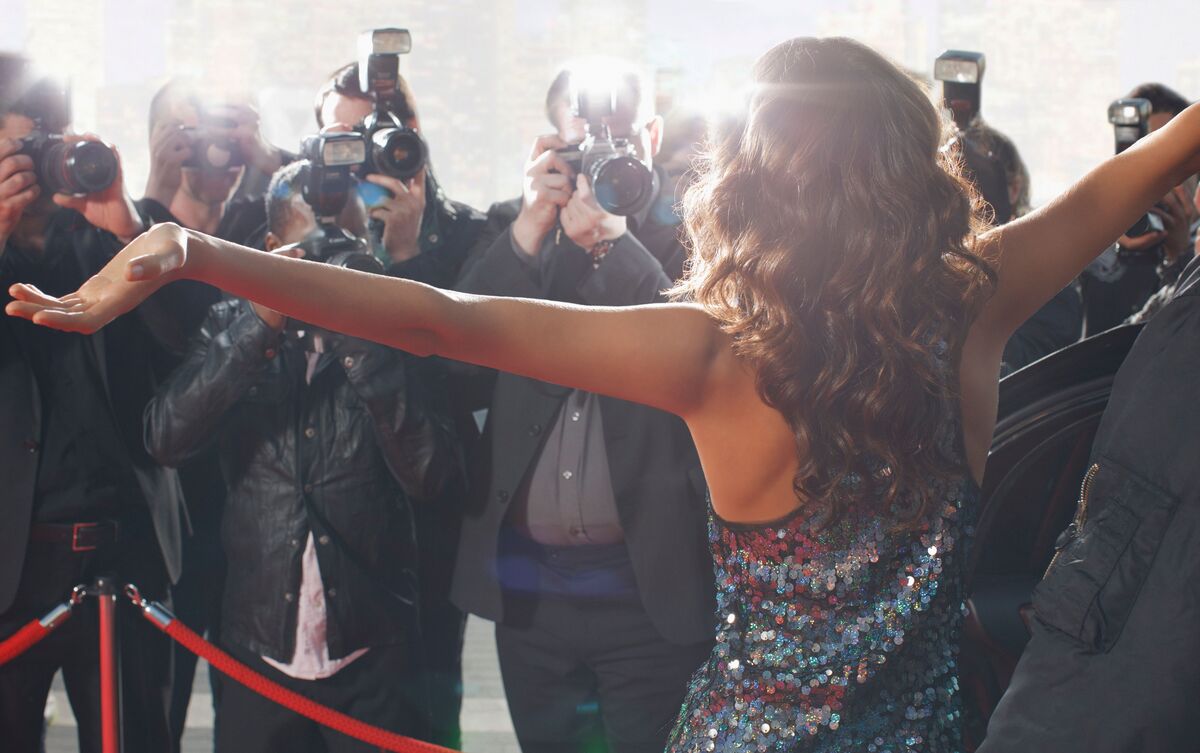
[[1092, 586]]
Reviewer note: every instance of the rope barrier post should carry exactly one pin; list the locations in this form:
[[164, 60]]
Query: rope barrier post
[[105, 591]]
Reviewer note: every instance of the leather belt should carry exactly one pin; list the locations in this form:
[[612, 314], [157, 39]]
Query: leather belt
[[83, 537]]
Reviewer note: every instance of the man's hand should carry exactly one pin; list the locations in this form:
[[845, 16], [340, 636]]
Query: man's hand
[[110, 209], [585, 222], [18, 187], [1176, 214], [248, 136], [271, 317], [133, 275], [547, 189], [170, 147], [401, 215]]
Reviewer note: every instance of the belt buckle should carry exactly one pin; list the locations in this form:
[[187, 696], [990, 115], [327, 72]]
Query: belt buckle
[[75, 545]]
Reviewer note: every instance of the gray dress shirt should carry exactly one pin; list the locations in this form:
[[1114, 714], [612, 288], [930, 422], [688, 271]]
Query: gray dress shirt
[[568, 498]]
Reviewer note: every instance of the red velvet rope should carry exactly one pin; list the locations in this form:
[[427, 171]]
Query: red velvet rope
[[301, 705], [22, 640]]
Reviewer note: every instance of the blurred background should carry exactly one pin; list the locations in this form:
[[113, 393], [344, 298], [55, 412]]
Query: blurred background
[[480, 68]]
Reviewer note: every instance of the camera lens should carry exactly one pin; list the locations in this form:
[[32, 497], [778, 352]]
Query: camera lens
[[398, 152], [82, 168], [622, 185]]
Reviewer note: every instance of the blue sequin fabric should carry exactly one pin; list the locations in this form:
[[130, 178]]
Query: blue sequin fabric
[[837, 638]]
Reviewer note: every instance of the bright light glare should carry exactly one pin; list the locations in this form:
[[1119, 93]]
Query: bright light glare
[[957, 71], [385, 42], [344, 152]]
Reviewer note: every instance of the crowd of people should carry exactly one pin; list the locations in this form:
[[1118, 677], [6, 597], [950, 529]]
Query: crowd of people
[[326, 476]]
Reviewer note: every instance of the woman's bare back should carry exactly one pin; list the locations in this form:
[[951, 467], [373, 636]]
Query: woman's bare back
[[749, 452]]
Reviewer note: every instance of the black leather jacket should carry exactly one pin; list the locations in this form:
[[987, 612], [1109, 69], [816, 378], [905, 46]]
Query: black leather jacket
[[340, 457]]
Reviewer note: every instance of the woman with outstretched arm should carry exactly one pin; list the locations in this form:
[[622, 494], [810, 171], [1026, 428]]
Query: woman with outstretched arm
[[835, 354]]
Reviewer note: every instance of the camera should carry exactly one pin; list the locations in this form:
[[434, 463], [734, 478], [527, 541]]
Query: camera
[[1130, 119], [333, 245], [961, 74], [78, 169], [622, 183], [393, 149], [327, 185], [333, 159], [209, 150]]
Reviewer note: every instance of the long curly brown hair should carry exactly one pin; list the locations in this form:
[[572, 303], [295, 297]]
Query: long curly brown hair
[[835, 242]]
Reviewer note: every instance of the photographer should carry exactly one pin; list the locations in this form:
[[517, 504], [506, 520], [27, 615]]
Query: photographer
[[326, 444], [419, 233], [1168, 291], [81, 496], [995, 166], [200, 155], [1122, 280], [585, 538]]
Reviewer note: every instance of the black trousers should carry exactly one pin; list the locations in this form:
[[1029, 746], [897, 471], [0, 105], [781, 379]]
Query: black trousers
[[443, 625], [590, 673], [197, 594], [383, 687], [49, 572]]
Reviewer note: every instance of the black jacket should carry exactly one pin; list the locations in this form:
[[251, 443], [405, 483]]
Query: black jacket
[[656, 476], [340, 458], [1114, 659], [131, 353]]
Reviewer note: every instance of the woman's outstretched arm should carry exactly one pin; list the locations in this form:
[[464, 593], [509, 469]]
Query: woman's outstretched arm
[[1041, 253], [659, 355]]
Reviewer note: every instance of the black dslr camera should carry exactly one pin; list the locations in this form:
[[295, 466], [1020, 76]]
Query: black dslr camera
[[393, 149], [328, 183], [622, 183], [1130, 119], [961, 74], [79, 169], [209, 150]]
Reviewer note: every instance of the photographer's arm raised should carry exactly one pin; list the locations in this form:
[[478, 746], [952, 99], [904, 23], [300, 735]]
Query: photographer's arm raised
[[660, 355], [1042, 252]]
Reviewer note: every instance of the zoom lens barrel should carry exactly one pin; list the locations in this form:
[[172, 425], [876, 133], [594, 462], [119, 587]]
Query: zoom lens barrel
[[622, 185], [82, 168], [398, 152]]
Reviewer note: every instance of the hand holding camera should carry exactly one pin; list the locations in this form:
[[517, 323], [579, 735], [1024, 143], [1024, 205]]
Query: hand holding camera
[[18, 186], [108, 208], [585, 222], [1174, 218], [238, 125], [400, 214], [547, 189], [170, 148]]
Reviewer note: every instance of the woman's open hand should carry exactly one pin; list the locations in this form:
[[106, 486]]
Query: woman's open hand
[[152, 260]]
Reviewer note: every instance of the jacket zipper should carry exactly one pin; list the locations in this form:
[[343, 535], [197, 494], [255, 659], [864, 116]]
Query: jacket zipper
[[1081, 510]]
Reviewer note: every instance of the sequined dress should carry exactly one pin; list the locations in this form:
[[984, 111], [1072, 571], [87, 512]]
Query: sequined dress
[[843, 639]]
